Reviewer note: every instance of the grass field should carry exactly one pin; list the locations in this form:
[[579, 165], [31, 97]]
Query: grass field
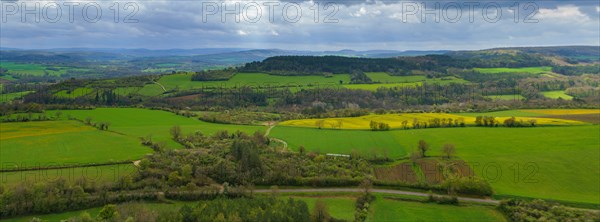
[[98, 174], [534, 112], [31, 69], [183, 82], [384, 209], [506, 97], [339, 207], [557, 94], [542, 162], [136, 123], [52, 143], [395, 120], [7, 97], [529, 70]]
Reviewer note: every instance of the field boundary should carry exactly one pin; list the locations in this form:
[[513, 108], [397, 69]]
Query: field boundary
[[4, 170]]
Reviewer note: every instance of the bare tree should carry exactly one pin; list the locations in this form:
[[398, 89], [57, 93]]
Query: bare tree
[[449, 150]]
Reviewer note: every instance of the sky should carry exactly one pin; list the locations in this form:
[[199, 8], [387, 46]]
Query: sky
[[298, 25]]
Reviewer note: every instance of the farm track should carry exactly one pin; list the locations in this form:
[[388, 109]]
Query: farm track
[[161, 86], [285, 144], [384, 191]]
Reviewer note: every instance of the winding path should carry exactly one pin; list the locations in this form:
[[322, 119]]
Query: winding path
[[271, 126]]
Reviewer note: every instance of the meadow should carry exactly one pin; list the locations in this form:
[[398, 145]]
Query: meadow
[[559, 163], [506, 97], [32, 69], [184, 82], [7, 97], [51, 143], [135, 123], [340, 207], [387, 209], [529, 70], [557, 94]]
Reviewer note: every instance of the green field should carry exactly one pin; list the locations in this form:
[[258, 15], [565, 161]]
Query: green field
[[7, 97], [506, 97], [53, 143], [135, 123], [77, 92], [558, 163], [385, 78], [529, 70], [557, 94], [384, 209], [533, 112], [338, 207], [31, 69], [98, 174], [184, 82]]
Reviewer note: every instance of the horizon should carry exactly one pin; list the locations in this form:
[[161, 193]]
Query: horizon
[[333, 50]]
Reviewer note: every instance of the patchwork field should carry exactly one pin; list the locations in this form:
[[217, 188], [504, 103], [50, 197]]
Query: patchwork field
[[184, 82], [32, 69], [542, 162], [51, 143]]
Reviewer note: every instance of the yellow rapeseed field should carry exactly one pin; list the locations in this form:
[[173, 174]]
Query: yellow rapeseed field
[[396, 120], [16, 130]]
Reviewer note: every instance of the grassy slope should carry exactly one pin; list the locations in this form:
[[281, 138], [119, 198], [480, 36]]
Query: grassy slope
[[7, 97], [557, 94], [52, 143], [136, 123], [566, 159]]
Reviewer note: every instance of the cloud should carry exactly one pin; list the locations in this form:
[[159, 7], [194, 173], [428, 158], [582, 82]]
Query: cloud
[[350, 24]]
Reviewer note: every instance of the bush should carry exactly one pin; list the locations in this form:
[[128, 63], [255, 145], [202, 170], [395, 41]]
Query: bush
[[468, 185]]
